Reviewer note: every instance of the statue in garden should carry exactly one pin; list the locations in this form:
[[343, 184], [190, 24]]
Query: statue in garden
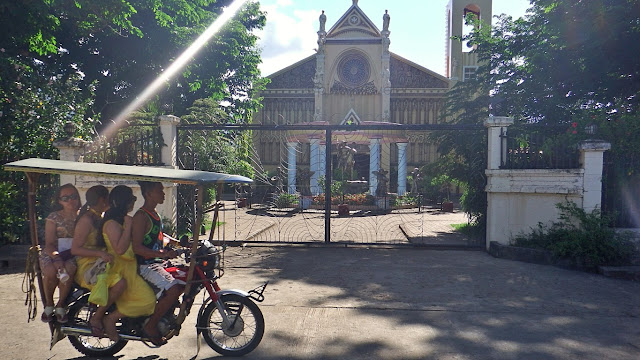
[[303, 179], [383, 180], [416, 176], [277, 180], [345, 159]]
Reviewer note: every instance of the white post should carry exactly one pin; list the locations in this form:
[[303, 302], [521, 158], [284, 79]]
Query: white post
[[495, 125], [323, 164], [314, 165], [291, 164], [374, 164], [402, 168], [495, 153], [591, 159], [168, 127], [71, 149]]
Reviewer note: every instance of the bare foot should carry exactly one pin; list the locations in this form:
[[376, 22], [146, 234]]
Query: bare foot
[[97, 329], [152, 333], [110, 326]]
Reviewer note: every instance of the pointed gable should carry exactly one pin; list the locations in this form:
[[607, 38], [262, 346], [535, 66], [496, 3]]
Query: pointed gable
[[408, 75], [297, 76], [354, 24]]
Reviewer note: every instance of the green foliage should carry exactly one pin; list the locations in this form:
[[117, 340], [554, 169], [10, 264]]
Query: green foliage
[[583, 238], [404, 200], [286, 200], [12, 217]]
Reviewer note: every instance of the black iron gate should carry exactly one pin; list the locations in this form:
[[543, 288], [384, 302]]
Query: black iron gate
[[296, 166]]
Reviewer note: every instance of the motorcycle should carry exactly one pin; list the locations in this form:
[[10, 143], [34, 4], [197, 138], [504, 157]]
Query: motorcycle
[[229, 320]]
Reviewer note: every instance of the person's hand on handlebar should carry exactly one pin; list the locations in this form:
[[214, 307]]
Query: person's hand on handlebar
[[168, 254]]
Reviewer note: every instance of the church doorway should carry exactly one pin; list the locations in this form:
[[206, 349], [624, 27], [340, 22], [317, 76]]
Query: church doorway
[[361, 166]]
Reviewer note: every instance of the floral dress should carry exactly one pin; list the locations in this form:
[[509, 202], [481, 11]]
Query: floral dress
[[64, 229]]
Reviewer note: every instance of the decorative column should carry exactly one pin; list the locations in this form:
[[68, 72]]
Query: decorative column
[[591, 159], [314, 165], [496, 151], [291, 162], [322, 171], [386, 74], [402, 168], [318, 79], [374, 164]]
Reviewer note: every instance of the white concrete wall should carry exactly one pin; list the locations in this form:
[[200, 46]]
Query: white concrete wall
[[517, 200]]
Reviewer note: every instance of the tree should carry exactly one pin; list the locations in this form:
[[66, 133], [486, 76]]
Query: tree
[[566, 62], [84, 61]]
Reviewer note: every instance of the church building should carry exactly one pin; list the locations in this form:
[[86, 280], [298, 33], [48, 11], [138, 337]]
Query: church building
[[353, 79]]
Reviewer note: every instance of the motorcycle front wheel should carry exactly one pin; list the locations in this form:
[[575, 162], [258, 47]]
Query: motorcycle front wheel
[[244, 331], [79, 314]]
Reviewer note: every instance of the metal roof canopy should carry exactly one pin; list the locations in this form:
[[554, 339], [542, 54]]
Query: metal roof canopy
[[34, 167], [143, 173]]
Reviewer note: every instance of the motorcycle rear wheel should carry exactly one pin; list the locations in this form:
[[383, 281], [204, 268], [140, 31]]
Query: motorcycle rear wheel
[[92, 346], [240, 339]]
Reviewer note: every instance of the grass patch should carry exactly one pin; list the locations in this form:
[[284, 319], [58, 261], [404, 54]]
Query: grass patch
[[469, 229]]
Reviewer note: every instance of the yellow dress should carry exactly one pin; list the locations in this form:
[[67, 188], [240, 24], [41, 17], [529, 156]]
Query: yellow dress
[[85, 263], [138, 299]]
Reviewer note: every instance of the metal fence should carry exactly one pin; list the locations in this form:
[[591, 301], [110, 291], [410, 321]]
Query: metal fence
[[295, 166], [538, 147], [139, 144]]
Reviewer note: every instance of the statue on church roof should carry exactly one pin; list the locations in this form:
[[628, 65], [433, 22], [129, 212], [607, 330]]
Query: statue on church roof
[[323, 21], [385, 20], [355, 2]]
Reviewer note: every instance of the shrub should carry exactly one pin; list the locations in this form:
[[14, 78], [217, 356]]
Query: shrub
[[285, 200], [583, 238]]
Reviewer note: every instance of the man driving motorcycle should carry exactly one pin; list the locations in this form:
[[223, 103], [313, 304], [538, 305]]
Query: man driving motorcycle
[[148, 247]]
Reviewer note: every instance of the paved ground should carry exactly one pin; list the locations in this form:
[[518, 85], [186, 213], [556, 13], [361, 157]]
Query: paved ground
[[366, 303], [430, 226]]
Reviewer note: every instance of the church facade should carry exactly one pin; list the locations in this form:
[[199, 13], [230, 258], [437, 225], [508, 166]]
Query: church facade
[[353, 79]]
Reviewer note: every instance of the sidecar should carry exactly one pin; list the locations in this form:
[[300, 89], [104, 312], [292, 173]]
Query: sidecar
[[34, 167]]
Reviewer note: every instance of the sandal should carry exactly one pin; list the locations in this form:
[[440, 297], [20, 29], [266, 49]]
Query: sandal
[[61, 315], [47, 314]]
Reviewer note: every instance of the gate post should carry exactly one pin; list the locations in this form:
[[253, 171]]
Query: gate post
[[591, 160], [495, 125], [327, 187], [169, 157]]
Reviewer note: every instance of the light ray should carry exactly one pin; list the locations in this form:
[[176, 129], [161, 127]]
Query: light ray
[[177, 65]]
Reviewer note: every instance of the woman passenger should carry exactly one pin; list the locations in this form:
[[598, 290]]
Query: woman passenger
[[59, 266], [88, 248], [138, 299]]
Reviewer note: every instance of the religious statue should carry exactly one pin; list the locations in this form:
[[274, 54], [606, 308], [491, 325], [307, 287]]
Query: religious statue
[[323, 21], [277, 179], [345, 159], [355, 2], [416, 176], [385, 20], [303, 178], [381, 175]]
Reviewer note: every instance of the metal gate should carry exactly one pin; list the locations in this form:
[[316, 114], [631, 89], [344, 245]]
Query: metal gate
[[380, 193]]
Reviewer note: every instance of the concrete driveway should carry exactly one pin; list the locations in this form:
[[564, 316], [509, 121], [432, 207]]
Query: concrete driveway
[[365, 303]]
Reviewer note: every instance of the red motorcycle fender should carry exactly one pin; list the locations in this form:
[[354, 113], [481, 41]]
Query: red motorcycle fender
[[220, 293]]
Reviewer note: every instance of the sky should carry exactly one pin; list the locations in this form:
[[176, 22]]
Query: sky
[[417, 28]]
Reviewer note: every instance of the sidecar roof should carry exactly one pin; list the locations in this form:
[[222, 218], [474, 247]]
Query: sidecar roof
[[144, 173]]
